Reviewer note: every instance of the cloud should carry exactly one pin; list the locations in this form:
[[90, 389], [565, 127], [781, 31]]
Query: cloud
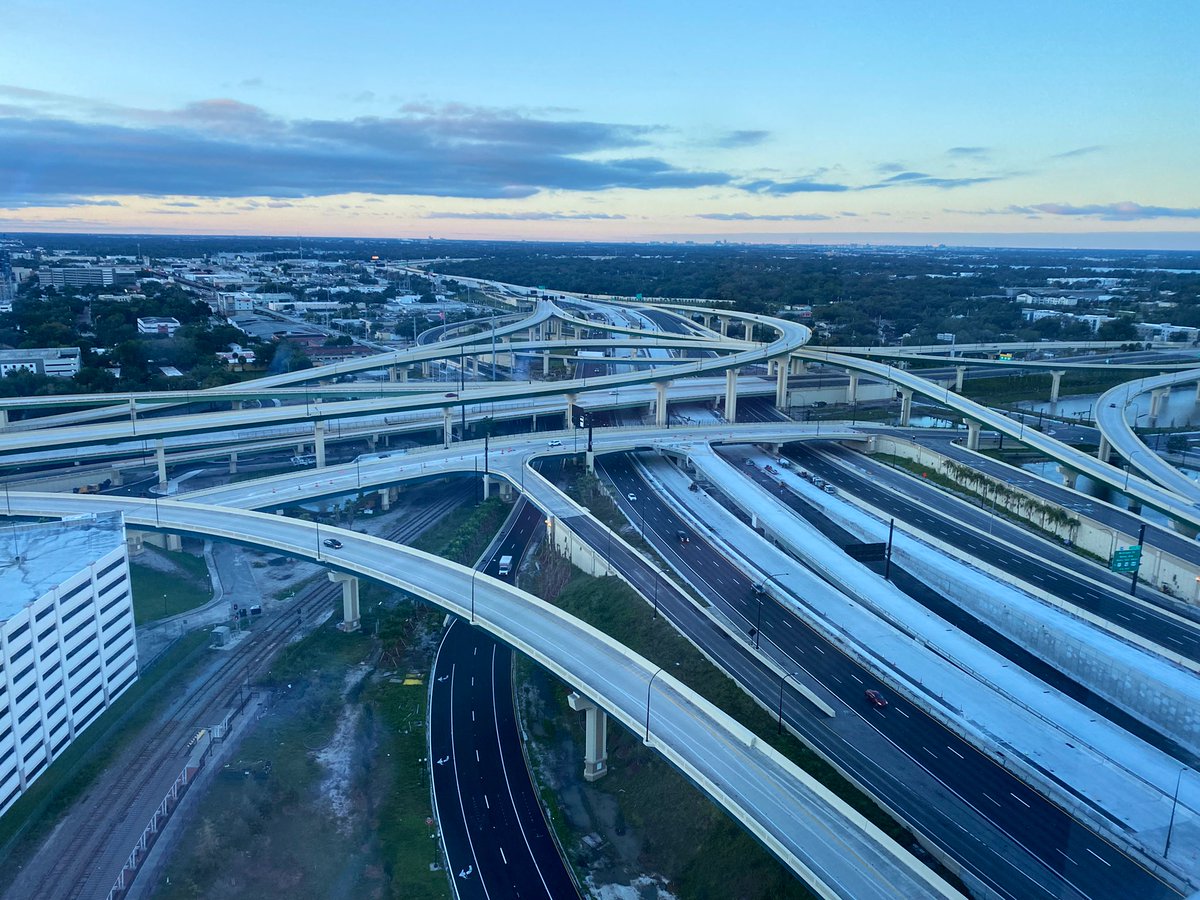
[[56, 145], [55, 202], [922, 179], [1078, 151], [885, 168], [969, 152], [1126, 211], [750, 217], [784, 188], [187, 203], [742, 138], [521, 217]]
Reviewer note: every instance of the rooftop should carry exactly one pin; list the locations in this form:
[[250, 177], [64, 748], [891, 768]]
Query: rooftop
[[36, 557]]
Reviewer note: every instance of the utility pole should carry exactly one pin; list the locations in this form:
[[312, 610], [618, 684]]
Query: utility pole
[[1137, 568]]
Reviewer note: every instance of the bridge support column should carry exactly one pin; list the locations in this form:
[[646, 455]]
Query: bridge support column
[[425, 369], [1069, 477], [402, 374], [731, 395], [799, 366], [782, 368], [160, 460], [972, 435], [595, 749], [487, 487], [385, 500], [1105, 449], [571, 399], [852, 388], [905, 406], [473, 366], [1156, 401], [589, 461], [724, 325], [233, 463], [349, 583], [660, 403], [506, 489], [1056, 384], [391, 373], [447, 427], [545, 363], [319, 442], [959, 373]]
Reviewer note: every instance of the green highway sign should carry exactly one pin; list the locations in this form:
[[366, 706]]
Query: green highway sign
[[1126, 559]]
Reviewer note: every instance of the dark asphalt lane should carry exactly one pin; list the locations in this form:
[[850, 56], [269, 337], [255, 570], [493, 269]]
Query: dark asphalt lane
[[1010, 836], [497, 841]]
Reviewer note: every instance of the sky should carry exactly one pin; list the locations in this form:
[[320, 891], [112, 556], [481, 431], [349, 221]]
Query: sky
[[1072, 123]]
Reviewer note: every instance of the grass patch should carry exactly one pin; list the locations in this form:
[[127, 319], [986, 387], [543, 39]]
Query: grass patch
[[462, 540], [34, 815], [1014, 388], [179, 582]]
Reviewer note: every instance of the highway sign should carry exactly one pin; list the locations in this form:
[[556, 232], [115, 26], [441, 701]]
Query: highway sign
[[1127, 559]]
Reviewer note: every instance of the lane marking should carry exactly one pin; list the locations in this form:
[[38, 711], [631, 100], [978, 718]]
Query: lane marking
[[997, 802], [1098, 856], [903, 713], [955, 752], [1019, 800], [486, 802], [1067, 858]]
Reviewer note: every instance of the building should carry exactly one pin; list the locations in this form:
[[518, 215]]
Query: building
[[82, 276], [161, 325], [67, 639], [61, 362]]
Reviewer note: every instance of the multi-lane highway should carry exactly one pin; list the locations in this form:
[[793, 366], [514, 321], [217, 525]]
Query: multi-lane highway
[[945, 787]]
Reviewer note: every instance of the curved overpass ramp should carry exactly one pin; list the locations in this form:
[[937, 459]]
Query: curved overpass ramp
[[1118, 432], [828, 845]]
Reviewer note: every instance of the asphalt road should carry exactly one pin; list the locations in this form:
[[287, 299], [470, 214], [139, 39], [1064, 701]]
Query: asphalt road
[[1014, 839], [997, 542], [496, 837]]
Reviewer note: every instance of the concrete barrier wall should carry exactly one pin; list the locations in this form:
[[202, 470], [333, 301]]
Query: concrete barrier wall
[[1158, 566]]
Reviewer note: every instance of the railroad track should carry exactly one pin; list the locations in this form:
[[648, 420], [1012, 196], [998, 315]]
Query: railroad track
[[111, 816]]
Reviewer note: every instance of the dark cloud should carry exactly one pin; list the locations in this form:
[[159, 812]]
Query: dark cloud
[[742, 138], [750, 217], [1078, 151], [521, 217], [922, 179], [784, 188], [61, 146], [969, 152], [1126, 211]]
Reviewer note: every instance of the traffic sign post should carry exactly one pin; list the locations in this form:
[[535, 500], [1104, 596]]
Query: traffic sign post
[[1127, 559]]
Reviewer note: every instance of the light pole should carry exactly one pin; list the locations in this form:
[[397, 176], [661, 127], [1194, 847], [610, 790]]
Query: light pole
[[649, 685], [1174, 804]]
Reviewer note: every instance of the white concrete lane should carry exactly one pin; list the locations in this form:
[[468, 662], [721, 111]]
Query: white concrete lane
[[826, 843], [1116, 428]]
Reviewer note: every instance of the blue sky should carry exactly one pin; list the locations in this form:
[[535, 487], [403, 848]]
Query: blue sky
[[630, 121]]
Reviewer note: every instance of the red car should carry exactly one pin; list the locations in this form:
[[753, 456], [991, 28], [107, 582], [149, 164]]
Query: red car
[[876, 699]]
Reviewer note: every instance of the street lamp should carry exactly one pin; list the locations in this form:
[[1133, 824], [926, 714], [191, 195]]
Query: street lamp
[[649, 685], [1174, 804]]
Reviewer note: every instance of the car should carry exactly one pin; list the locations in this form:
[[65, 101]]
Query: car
[[632, 497], [829, 489], [553, 443], [804, 474], [684, 537], [452, 395], [334, 543], [876, 699]]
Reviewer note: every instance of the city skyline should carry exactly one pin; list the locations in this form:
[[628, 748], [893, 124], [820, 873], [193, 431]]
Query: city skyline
[[1072, 125]]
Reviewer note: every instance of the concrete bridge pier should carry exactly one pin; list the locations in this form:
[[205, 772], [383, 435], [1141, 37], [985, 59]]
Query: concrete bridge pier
[[350, 616], [1069, 477], [781, 383], [447, 427], [660, 403], [506, 489], [973, 429], [571, 399], [1156, 401], [233, 463], [731, 395], [385, 500], [852, 388], [1105, 449], [545, 363], [1056, 384], [425, 369], [906, 396], [473, 366], [589, 461], [595, 749], [724, 320], [319, 442], [799, 366], [960, 372], [160, 461]]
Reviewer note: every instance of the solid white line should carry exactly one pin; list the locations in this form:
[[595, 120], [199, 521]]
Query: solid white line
[[955, 752], [997, 802], [502, 856], [856, 678], [903, 713], [1067, 858], [508, 784], [1098, 856], [1019, 800], [458, 789]]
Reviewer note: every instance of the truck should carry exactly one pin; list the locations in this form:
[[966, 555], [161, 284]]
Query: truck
[[505, 565]]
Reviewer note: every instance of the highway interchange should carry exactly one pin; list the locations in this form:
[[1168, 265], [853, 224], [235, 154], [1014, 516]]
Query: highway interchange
[[977, 815]]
